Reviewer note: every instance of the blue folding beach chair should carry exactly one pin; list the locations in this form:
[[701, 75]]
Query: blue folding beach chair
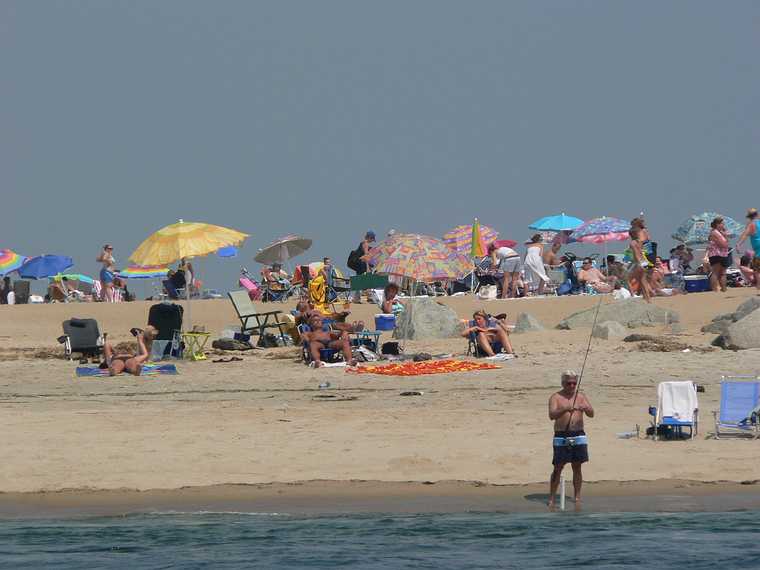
[[739, 401]]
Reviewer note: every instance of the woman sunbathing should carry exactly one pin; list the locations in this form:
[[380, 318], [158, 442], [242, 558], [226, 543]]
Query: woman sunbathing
[[126, 362]]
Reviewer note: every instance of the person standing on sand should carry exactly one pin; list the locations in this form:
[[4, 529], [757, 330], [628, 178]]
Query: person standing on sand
[[752, 231], [107, 272], [639, 266], [718, 254], [566, 409]]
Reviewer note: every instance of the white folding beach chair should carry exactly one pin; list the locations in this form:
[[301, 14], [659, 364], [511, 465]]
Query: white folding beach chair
[[677, 408]]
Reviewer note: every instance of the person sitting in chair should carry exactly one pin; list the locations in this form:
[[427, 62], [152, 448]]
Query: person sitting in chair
[[319, 338], [305, 311], [488, 331], [116, 363], [276, 277], [590, 275]]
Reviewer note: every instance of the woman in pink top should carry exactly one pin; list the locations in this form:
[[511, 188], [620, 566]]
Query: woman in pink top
[[717, 253]]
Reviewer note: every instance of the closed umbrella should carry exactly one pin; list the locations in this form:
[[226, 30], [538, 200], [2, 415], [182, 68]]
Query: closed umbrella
[[461, 238], [44, 266], [696, 229], [470, 239], [282, 249], [10, 261]]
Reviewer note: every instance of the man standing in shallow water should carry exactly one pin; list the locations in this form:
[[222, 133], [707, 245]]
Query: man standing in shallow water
[[570, 443]]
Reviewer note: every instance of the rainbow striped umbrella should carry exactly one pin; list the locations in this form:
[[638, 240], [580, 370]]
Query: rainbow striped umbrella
[[419, 257], [460, 240], [10, 261], [144, 272]]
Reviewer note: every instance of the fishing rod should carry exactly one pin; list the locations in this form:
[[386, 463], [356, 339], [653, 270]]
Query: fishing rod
[[585, 358]]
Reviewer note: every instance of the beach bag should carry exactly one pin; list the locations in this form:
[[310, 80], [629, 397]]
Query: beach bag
[[391, 347], [267, 340], [487, 292]]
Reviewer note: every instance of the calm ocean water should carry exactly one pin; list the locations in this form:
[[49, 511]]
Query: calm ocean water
[[651, 540]]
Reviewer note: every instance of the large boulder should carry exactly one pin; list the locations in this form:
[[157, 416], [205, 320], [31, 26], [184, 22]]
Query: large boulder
[[747, 307], [721, 323], [426, 319], [743, 334], [609, 330], [630, 313], [527, 323]]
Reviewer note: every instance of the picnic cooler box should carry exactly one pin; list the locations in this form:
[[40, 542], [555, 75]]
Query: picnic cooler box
[[697, 283], [385, 322]]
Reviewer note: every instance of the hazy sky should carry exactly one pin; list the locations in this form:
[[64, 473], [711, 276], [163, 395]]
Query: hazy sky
[[328, 118]]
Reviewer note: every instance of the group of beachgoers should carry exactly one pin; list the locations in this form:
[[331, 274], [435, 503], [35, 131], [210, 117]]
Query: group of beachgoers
[[641, 271]]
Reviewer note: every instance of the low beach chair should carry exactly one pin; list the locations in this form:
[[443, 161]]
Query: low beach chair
[[21, 291], [677, 408], [82, 336], [739, 401], [250, 284], [474, 349], [325, 354]]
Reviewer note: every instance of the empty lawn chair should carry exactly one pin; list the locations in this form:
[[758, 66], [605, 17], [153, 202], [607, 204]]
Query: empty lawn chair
[[253, 322], [83, 337], [739, 401]]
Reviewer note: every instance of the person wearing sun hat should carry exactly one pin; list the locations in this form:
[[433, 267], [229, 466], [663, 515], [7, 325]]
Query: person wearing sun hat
[[752, 231]]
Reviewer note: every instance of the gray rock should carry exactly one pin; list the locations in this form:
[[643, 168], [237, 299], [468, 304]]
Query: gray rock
[[742, 334], [527, 323], [427, 319], [718, 327], [747, 307], [724, 317], [609, 330], [631, 312]]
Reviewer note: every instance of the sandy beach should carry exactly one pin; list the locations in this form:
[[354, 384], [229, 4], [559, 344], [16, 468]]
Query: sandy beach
[[264, 420]]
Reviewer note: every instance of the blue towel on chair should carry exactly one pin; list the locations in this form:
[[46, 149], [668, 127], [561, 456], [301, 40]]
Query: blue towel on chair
[[147, 370]]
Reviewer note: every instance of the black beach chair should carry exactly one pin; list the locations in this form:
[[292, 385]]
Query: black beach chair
[[82, 336], [166, 318]]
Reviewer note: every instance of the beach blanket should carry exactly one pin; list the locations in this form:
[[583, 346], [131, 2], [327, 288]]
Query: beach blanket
[[147, 370], [424, 367]]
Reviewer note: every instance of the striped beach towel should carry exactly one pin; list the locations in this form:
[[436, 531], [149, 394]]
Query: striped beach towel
[[147, 370]]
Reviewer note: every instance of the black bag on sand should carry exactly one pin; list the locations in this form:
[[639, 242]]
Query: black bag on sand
[[391, 347], [267, 340]]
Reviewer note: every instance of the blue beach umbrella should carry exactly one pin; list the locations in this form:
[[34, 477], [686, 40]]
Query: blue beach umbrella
[[696, 230], [44, 266], [230, 251], [558, 223]]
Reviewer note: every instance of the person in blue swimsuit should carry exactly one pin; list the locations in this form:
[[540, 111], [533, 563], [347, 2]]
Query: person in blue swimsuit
[[107, 272], [752, 231]]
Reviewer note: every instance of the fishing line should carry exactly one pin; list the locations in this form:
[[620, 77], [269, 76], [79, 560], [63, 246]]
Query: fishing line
[[585, 358]]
